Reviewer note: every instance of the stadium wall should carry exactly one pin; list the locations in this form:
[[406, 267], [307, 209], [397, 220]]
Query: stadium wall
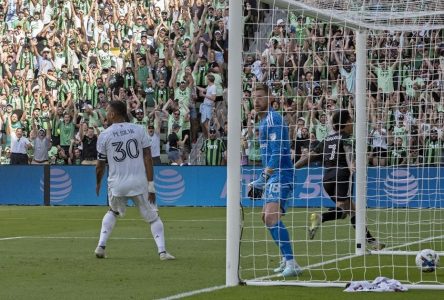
[[206, 186]]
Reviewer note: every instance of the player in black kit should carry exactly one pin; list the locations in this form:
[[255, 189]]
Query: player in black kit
[[337, 153]]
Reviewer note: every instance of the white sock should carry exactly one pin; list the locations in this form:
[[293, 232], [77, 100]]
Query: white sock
[[157, 231], [290, 263], [108, 222]]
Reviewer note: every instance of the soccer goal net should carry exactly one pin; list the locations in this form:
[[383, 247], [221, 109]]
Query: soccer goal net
[[383, 61]]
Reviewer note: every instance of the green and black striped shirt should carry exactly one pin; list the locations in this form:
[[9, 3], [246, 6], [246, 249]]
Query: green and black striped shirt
[[213, 150]]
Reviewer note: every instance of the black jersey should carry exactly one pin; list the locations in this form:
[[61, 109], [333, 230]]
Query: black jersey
[[335, 162]]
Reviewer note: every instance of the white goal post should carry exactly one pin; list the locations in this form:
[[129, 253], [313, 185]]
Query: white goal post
[[402, 228]]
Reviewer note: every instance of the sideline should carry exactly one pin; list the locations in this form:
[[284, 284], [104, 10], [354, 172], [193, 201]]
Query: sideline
[[195, 292], [12, 238], [37, 237]]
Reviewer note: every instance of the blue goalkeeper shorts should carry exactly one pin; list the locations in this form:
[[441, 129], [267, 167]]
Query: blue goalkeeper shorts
[[277, 192]]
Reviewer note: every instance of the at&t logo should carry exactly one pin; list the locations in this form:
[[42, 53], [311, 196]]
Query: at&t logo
[[60, 185], [401, 186], [170, 185]]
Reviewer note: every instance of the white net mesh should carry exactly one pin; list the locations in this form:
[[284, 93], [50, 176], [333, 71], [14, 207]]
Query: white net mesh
[[305, 52], [376, 14]]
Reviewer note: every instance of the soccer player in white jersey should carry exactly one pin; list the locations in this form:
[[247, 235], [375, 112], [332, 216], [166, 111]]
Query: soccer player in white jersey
[[126, 148]]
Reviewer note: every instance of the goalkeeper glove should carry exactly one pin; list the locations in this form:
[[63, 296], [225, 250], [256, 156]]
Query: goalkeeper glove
[[257, 186]]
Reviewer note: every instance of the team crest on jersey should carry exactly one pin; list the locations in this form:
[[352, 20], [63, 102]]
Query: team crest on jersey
[[272, 136]]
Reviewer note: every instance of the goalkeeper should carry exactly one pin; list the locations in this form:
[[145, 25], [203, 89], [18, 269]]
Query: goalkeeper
[[337, 152], [275, 185]]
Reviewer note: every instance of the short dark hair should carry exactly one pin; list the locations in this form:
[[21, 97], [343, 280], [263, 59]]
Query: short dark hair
[[119, 108], [340, 119], [211, 77]]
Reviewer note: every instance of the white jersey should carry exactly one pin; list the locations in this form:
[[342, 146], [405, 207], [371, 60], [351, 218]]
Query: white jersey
[[122, 145]]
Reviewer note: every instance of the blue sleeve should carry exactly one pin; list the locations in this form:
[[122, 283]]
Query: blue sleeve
[[275, 144]]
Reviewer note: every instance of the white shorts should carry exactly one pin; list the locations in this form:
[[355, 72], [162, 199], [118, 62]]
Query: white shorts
[[148, 210], [219, 56], [206, 112]]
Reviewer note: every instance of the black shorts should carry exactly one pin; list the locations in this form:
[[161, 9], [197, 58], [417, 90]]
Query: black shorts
[[55, 139], [338, 187], [379, 152], [19, 159], [338, 190]]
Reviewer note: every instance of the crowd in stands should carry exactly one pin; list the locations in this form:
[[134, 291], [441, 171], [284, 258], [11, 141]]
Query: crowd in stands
[[310, 66], [63, 61]]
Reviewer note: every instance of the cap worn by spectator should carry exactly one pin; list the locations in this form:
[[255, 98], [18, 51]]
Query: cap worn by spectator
[[212, 130], [280, 22], [46, 49], [139, 111], [217, 32], [87, 106], [176, 126]]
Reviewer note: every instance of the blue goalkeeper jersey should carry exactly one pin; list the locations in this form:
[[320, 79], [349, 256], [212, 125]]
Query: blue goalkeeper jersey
[[275, 146]]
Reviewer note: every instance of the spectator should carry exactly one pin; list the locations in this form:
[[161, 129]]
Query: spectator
[[174, 145], [19, 146], [378, 138], [41, 144], [432, 148], [75, 153], [206, 108], [397, 153], [89, 145], [67, 131], [213, 149], [154, 139], [302, 142]]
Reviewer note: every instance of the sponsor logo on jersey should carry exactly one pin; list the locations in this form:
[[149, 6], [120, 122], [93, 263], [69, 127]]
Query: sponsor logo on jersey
[[272, 136]]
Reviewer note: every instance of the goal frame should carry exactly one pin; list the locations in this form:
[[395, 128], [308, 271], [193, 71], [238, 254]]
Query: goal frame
[[234, 222]]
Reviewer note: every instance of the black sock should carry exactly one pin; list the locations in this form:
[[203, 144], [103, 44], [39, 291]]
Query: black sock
[[333, 214], [368, 235]]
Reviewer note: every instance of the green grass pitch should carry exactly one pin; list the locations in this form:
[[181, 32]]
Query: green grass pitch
[[47, 253]]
